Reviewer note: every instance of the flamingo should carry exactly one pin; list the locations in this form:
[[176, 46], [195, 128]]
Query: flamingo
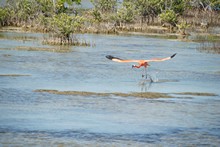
[[141, 63]]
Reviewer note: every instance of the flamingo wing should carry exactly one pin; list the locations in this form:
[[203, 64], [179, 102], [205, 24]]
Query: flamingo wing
[[116, 59], [160, 59]]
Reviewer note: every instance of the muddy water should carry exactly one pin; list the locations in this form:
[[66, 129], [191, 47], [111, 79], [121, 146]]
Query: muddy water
[[30, 118]]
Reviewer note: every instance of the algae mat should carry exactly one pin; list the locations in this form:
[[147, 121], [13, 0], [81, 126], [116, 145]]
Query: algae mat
[[149, 95]]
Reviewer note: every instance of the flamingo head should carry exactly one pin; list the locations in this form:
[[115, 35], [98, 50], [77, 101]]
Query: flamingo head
[[133, 66]]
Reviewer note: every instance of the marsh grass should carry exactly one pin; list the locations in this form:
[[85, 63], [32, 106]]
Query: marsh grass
[[85, 93], [18, 38], [55, 49], [210, 47], [71, 42], [148, 95], [197, 94], [208, 43]]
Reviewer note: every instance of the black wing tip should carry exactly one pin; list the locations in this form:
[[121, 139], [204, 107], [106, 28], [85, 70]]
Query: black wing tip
[[109, 57], [173, 55]]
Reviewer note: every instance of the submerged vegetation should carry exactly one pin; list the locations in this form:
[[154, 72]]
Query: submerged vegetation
[[59, 50], [197, 94], [149, 95], [209, 44], [85, 93]]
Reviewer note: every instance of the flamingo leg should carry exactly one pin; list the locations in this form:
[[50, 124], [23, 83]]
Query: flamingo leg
[[144, 73], [147, 75], [151, 80]]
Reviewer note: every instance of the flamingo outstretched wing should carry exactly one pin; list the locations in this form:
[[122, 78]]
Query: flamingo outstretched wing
[[116, 59], [160, 59]]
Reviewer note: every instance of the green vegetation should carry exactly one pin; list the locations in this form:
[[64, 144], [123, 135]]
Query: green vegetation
[[126, 13], [182, 27], [105, 6], [62, 26], [170, 17], [62, 19]]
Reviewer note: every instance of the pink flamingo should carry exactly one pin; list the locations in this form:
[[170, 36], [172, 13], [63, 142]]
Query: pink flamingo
[[141, 63]]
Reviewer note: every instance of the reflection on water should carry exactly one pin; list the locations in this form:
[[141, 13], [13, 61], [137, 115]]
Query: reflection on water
[[145, 85], [30, 118]]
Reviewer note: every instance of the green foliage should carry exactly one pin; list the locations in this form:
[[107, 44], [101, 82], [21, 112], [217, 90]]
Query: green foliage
[[105, 6], [215, 4], [182, 27], [127, 12], [169, 16], [45, 7], [26, 9], [147, 8], [204, 4], [97, 15], [60, 8], [178, 6], [142, 7], [4, 15], [60, 5], [55, 15], [63, 25], [41, 23]]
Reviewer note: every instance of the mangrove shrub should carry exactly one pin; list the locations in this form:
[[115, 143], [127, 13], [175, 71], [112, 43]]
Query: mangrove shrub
[[126, 13], [105, 6], [169, 16], [63, 25], [4, 16]]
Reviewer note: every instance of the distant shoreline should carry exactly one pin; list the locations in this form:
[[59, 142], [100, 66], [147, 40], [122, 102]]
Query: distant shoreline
[[152, 32]]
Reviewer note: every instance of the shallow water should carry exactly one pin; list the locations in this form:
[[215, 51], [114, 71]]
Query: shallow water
[[31, 118]]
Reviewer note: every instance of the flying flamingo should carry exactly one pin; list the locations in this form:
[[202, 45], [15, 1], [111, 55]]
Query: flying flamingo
[[141, 63]]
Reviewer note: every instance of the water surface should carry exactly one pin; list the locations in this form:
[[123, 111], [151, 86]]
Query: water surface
[[30, 118]]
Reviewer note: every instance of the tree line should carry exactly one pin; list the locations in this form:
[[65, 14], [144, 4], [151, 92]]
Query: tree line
[[62, 18]]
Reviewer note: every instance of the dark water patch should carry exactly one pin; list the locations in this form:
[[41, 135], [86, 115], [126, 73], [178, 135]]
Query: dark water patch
[[6, 55], [13, 75], [84, 93], [84, 135], [22, 97], [192, 137], [179, 137], [45, 139]]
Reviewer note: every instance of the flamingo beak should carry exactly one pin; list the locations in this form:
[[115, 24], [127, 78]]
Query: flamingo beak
[[148, 64], [133, 66]]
